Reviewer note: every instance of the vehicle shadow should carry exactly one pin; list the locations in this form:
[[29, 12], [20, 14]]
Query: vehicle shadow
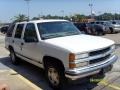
[[37, 76]]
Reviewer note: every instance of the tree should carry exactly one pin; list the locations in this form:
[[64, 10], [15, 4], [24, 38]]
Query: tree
[[78, 17], [20, 18], [35, 18], [106, 16]]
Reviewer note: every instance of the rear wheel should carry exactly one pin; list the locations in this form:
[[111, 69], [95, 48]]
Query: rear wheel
[[13, 57]]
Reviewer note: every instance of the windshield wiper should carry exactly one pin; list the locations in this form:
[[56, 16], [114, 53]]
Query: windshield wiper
[[72, 33], [52, 36]]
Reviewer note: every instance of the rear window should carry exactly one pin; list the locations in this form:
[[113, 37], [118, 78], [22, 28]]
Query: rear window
[[97, 22], [113, 22], [19, 30], [92, 22], [10, 30]]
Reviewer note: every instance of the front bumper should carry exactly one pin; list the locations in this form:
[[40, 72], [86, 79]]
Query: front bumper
[[89, 70]]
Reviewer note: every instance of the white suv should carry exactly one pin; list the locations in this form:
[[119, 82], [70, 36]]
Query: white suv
[[59, 47]]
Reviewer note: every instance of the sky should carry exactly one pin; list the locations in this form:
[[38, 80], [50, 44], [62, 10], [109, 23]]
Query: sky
[[11, 8]]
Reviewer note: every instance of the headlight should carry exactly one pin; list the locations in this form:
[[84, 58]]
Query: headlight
[[76, 65], [73, 57], [113, 47], [80, 56], [113, 50], [81, 64]]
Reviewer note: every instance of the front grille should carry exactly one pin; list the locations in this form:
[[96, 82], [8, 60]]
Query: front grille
[[94, 53], [99, 59]]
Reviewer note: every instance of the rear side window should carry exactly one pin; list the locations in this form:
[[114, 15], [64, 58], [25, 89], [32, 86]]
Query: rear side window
[[10, 30], [113, 22], [19, 30], [92, 22]]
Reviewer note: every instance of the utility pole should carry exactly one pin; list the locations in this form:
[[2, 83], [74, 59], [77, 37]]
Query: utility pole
[[99, 15], [28, 7], [62, 11], [91, 9]]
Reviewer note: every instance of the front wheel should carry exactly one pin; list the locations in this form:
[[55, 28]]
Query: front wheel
[[96, 32], [111, 30], [100, 33], [55, 75]]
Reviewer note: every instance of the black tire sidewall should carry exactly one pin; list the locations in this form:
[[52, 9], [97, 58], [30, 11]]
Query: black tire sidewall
[[100, 33], [60, 73], [15, 61]]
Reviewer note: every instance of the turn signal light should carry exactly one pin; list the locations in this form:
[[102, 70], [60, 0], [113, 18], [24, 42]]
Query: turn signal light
[[71, 57], [72, 65]]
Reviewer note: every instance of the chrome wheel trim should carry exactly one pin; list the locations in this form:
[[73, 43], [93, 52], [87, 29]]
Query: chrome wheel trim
[[53, 76], [12, 56]]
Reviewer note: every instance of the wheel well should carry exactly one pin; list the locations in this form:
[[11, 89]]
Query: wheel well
[[49, 59]]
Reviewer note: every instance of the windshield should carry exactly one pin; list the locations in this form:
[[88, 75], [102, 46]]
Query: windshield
[[49, 30]]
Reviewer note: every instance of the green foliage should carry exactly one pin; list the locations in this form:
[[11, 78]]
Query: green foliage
[[78, 17], [20, 18], [108, 16], [74, 18]]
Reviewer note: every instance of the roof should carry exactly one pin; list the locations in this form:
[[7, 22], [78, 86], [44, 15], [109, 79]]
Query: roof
[[41, 21]]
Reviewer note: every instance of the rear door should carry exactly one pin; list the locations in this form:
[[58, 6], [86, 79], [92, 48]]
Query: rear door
[[17, 38], [9, 36]]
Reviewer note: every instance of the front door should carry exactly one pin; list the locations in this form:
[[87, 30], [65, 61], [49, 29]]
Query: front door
[[30, 47]]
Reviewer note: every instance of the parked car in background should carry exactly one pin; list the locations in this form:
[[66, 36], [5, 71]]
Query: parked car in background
[[83, 27], [104, 25], [90, 28], [107, 26], [4, 29], [115, 26], [112, 26], [96, 29]]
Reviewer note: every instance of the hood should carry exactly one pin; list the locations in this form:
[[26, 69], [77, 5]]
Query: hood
[[80, 43]]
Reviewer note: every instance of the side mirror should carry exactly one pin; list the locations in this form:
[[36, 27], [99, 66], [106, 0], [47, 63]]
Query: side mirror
[[30, 39]]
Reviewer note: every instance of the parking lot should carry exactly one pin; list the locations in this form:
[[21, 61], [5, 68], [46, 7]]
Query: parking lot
[[32, 78]]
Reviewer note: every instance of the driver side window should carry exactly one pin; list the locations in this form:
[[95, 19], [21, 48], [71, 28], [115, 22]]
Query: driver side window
[[30, 33]]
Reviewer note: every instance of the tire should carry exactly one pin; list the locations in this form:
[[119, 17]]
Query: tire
[[96, 32], [111, 30], [55, 75], [13, 57], [100, 33]]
